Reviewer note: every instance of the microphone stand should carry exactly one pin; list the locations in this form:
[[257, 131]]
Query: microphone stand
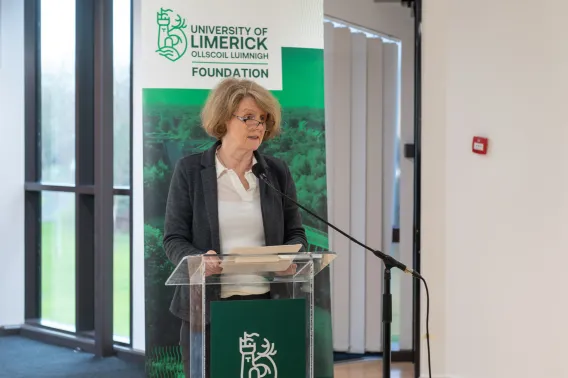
[[388, 261]]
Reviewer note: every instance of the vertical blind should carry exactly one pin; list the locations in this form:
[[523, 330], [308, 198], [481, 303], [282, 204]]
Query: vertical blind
[[362, 123]]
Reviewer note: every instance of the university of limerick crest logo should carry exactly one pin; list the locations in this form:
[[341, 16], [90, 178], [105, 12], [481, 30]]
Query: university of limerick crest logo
[[257, 364], [172, 41]]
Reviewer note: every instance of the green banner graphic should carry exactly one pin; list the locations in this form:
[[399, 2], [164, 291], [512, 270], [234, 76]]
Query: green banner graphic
[[258, 338]]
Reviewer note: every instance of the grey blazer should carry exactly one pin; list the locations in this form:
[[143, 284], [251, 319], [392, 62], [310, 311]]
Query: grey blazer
[[192, 223]]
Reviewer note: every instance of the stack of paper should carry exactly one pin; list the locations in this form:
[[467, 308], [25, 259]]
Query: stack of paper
[[259, 259]]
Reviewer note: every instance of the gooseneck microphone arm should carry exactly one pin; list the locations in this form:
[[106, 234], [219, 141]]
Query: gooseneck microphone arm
[[259, 171]]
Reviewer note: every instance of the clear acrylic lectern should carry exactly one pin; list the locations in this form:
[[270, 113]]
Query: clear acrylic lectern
[[233, 336]]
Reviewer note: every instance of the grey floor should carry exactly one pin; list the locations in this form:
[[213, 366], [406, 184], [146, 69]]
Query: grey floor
[[24, 358]]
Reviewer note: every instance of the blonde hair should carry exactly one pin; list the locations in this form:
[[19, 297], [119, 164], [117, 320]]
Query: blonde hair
[[224, 100]]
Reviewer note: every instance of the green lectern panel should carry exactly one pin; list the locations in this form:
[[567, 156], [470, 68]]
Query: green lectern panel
[[258, 338]]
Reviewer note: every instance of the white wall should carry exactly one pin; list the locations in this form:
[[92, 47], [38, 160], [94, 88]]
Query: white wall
[[11, 162], [394, 20], [494, 237]]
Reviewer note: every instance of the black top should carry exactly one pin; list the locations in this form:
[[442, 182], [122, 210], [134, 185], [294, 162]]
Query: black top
[[192, 221]]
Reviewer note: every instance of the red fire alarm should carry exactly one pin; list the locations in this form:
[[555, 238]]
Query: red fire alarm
[[479, 145]]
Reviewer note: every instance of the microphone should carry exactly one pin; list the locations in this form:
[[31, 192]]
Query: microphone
[[259, 170]]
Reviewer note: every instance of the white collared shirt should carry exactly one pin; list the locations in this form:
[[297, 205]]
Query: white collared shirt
[[240, 223]]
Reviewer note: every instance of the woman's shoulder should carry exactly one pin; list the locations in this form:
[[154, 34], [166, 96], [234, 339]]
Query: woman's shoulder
[[274, 162], [189, 163], [191, 160]]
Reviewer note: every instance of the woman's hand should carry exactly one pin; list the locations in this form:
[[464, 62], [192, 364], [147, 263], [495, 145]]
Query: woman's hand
[[288, 272], [212, 264]]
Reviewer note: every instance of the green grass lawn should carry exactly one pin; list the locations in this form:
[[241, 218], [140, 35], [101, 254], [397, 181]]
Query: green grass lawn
[[58, 277]]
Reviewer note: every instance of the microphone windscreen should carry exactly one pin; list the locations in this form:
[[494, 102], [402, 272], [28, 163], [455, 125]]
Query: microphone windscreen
[[258, 170]]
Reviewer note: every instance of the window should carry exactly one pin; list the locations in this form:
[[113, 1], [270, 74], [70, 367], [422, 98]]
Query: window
[[57, 93], [78, 223], [121, 72], [121, 168], [57, 64], [121, 267], [58, 259]]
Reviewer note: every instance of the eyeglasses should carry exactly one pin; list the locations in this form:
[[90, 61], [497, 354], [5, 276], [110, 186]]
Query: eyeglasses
[[251, 122]]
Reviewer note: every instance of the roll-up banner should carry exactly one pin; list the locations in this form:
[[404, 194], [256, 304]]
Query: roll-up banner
[[187, 47]]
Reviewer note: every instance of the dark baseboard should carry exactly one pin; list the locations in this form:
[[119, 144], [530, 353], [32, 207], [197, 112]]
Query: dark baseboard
[[9, 330], [129, 355], [396, 356], [49, 336], [402, 356], [83, 342]]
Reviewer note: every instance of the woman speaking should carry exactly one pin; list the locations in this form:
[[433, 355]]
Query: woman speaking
[[215, 202]]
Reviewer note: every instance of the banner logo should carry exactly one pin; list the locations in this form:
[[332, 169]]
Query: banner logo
[[172, 40], [257, 364]]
